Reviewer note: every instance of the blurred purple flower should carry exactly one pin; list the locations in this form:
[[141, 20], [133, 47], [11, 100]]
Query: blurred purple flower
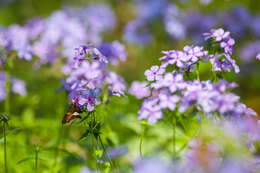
[[114, 51], [258, 56], [18, 86], [152, 165], [139, 89]]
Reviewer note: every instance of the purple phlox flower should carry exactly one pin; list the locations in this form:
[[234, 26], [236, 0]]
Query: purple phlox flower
[[18, 86], [194, 53], [223, 85], [136, 32], [45, 52], [255, 25], [168, 101], [88, 52], [89, 98], [223, 62], [173, 81], [150, 110], [117, 151], [35, 27], [201, 156], [228, 45], [238, 20], [258, 56], [114, 51], [234, 165], [173, 57], [184, 59], [89, 75], [17, 38], [151, 9], [250, 51], [139, 89], [217, 34], [153, 165], [174, 25], [116, 84], [190, 95], [99, 17], [155, 73]]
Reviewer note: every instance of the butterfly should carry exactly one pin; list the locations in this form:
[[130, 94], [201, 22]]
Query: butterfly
[[72, 114]]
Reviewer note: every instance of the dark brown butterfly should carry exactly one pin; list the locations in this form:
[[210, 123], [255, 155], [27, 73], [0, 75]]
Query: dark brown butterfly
[[72, 114]]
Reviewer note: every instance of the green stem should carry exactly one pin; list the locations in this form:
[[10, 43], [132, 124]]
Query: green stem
[[214, 73], [36, 159], [5, 157], [56, 153], [198, 72], [105, 152], [95, 151], [174, 134], [141, 140], [7, 91]]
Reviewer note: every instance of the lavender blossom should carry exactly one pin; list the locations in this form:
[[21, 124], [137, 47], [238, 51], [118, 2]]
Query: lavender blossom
[[139, 89], [250, 51], [18, 86], [155, 73], [150, 110], [115, 51], [88, 76], [258, 56]]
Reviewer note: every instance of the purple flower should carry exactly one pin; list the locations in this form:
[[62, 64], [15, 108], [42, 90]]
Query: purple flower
[[217, 34], [139, 89], [228, 45], [116, 84], [223, 62], [174, 25], [88, 97], [88, 52], [18, 86], [152, 165], [168, 101], [184, 59], [250, 50], [155, 73], [150, 110], [88, 76], [136, 32], [115, 51], [258, 56]]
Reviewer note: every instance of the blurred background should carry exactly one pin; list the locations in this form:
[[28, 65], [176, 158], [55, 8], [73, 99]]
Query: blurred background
[[145, 27]]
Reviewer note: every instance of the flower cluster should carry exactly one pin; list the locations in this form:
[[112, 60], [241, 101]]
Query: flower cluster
[[137, 31], [226, 146], [48, 38], [114, 51], [18, 86], [172, 91], [180, 25], [88, 77], [185, 59], [139, 89], [223, 60]]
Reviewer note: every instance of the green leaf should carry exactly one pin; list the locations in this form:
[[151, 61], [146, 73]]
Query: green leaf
[[84, 135], [24, 160], [15, 130]]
